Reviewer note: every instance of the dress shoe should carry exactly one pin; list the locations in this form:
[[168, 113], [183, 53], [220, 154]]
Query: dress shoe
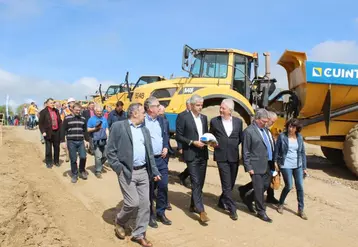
[[182, 181], [83, 175], [272, 200], [49, 165], [204, 217], [57, 164], [119, 230], [233, 216], [143, 242], [153, 223], [223, 206], [249, 205], [164, 220], [169, 207], [264, 217]]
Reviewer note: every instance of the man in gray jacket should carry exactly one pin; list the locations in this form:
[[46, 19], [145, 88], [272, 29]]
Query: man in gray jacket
[[130, 155]]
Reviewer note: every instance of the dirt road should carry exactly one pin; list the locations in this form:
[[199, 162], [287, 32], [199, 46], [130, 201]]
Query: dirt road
[[40, 206]]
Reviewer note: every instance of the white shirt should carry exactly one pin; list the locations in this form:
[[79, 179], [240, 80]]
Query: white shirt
[[198, 123], [25, 110], [228, 126]]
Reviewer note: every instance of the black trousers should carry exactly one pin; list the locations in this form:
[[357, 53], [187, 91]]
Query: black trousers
[[228, 173], [52, 141], [260, 184], [197, 171], [185, 174]]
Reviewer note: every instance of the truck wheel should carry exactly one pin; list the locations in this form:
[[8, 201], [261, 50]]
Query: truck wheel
[[334, 155], [350, 150]]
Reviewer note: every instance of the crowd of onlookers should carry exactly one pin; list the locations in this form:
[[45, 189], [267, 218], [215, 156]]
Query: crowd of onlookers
[[137, 147]]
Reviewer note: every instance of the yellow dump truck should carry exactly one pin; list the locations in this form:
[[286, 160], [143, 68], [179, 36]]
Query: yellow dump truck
[[214, 74], [324, 96]]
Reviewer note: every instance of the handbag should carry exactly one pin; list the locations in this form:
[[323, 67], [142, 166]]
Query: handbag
[[276, 181]]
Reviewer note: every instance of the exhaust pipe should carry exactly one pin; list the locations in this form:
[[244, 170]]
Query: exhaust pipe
[[267, 65]]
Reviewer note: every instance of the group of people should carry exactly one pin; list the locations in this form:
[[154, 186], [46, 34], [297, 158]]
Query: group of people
[[30, 116], [137, 147]]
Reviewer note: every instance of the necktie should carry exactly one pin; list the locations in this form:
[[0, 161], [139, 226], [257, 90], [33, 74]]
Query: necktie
[[268, 145]]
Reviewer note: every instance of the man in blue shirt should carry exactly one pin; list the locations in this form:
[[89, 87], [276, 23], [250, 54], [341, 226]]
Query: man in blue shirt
[[117, 114], [160, 143], [98, 129]]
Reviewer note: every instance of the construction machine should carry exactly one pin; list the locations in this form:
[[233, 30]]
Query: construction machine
[[214, 74], [123, 91], [324, 97]]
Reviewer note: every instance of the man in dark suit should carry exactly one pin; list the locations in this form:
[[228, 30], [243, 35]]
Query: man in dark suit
[[185, 174], [228, 132], [50, 126], [190, 127], [257, 153], [130, 155], [270, 192], [160, 143]]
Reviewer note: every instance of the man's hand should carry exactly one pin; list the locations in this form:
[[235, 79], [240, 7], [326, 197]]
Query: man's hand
[[180, 151], [44, 134], [86, 144], [64, 145], [276, 167], [251, 172], [305, 172], [157, 178], [164, 152], [198, 144]]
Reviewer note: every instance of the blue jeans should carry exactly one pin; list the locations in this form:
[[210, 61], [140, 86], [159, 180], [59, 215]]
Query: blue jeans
[[75, 147], [297, 174], [31, 122]]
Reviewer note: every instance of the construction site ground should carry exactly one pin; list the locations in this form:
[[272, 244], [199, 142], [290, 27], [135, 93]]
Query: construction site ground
[[41, 207]]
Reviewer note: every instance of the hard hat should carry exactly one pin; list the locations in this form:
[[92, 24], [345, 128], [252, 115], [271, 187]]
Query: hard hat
[[71, 100]]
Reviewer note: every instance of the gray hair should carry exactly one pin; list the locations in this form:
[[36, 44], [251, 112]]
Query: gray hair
[[188, 101], [97, 107], [261, 113], [229, 103], [196, 98], [134, 107], [272, 114], [149, 102]]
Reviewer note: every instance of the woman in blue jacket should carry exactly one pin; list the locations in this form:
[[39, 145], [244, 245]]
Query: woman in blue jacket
[[291, 157]]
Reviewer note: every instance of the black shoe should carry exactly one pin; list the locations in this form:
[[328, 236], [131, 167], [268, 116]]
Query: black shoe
[[153, 223], [264, 218], [223, 206], [74, 179], [272, 200], [49, 165], [164, 220], [249, 205], [182, 181], [233, 216], [57, 164], [83, 175]]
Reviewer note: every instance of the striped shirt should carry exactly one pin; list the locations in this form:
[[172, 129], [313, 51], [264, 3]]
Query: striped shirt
[[74, 128]]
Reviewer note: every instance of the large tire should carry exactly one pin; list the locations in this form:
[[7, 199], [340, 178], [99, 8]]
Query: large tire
[[335, 156], [350, 150]]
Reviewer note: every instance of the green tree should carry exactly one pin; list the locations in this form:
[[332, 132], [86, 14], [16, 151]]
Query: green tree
[[3, 110]]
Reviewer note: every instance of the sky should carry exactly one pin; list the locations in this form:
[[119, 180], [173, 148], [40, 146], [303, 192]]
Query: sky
[[66, 48]]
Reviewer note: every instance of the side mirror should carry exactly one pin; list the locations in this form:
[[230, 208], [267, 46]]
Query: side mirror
[[187, 50]]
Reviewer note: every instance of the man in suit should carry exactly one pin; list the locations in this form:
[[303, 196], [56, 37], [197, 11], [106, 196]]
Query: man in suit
[[270, 192], [190, 127], [160, 143], [130, 155], [185, 174], [257, 153], [50, 126], [228, 132]]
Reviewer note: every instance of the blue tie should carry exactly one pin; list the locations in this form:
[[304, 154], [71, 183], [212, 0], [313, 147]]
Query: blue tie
[[268, 144]]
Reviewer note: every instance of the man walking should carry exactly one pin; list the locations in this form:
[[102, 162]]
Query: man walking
[[50, 125], [272, 116], [257, 152], [98, 129], [130, 155], [228, 132], [160, 143], [117, 114], [190, 127], [75, 130]]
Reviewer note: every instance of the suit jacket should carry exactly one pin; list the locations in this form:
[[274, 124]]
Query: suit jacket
[[179, 145], [228, 148], [165, 133], [186, 131], [120, 150], [254, 150], [45, 122]]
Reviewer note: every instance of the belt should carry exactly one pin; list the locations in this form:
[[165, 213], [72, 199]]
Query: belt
[[139, 167], [157, 156]]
